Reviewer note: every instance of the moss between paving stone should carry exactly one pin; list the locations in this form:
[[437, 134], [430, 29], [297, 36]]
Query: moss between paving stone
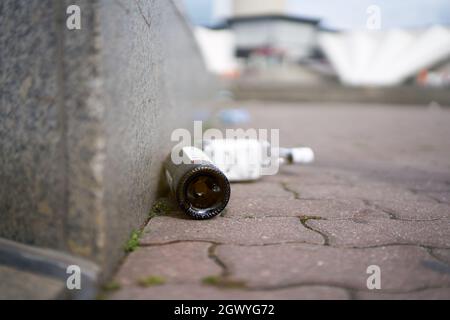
[[223, 282], [133, 241], [111, 286], [161, 207], [151, 281], [303, 219], [108, 288]]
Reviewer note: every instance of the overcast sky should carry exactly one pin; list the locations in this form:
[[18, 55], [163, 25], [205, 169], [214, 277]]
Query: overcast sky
[[344, 14]]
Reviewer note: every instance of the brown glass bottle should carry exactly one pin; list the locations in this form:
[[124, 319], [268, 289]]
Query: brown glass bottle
[[200, 188]]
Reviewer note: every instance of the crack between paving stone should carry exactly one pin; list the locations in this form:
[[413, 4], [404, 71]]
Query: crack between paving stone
[[352, 291], [286, 188], [305, 219], [296, 194], [425, 194], [432, 254], [392, 215], [292, 242], [156, 244], [436, 199], [332, 219], [214, 257]]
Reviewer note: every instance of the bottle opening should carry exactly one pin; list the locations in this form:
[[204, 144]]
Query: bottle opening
[[204, 192]]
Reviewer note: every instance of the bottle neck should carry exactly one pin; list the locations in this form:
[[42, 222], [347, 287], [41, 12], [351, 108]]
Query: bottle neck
[[300, 155]]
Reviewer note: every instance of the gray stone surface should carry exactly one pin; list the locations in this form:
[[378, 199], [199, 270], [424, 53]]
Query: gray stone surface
[[86, 118], [26, 268], [252, 231], [21, 285], [32, 161]]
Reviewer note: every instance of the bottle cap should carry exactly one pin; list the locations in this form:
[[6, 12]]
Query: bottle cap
[[302, 155]]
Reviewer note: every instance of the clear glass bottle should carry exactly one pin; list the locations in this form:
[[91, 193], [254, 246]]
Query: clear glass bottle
[[244, 159]]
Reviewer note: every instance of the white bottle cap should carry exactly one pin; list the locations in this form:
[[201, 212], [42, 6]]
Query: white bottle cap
[[302, 155]]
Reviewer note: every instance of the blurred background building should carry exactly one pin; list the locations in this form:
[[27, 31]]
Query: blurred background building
[[354, 43]]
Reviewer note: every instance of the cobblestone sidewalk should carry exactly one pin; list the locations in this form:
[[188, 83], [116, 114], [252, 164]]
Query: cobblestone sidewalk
[[378, 194]]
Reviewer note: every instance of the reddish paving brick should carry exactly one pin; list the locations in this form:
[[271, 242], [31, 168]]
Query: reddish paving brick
[[403, 268], [178, 262], [381, 231], [442, 255], [427, 294], [370, 191], [254, 231], [443, 197], [415, 210], [276, 207], [258, 190], [203, 292]]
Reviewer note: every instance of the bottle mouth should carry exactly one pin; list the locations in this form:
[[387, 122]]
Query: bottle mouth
[[205, 193]]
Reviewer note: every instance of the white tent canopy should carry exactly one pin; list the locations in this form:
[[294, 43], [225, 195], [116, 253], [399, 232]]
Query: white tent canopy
[[217, 47], [384, 58]]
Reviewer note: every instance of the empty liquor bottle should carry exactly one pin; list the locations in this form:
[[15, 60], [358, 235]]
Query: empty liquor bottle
[[246, 159], [200, 188]]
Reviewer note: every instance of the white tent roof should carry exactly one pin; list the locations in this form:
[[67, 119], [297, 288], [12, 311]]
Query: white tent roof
[[384, 58], [217, 47]]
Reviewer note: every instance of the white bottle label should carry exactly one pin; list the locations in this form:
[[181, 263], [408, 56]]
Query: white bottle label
[[192, 155], [238, 159]]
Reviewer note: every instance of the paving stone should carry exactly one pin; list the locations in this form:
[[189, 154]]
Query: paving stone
[[202, 292], [380, 231], [415, 210], [428, 294], [177, 262], [368, 191], [258, 190], [313, 175], [330, 209], [443, 197], [262, 207], [21, 285], [224, 230], [442, 255], [403, 268], [361, 178]]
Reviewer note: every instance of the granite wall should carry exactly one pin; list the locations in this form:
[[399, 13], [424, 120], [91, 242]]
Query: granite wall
[[86, 117]]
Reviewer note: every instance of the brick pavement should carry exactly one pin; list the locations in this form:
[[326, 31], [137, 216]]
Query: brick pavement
[[378, 194]]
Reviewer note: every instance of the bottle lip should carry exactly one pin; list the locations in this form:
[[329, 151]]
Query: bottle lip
[[181, 193]]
